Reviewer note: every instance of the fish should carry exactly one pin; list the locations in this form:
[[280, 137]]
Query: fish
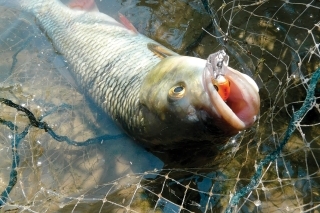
[[157, 96]]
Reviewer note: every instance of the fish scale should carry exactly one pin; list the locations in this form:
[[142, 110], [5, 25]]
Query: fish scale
[[100, 58]]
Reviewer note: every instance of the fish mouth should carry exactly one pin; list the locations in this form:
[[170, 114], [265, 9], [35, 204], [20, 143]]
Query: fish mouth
[[241, 109]]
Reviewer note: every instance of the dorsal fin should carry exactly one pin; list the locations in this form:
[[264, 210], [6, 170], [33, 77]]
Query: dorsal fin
[[127, 23], [160, 51], [86, 5]]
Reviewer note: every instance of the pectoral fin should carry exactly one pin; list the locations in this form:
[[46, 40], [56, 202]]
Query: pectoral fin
[[161, 51]]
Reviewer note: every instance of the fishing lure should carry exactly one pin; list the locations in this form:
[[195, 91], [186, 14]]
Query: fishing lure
[[222, 85], [216, 63]]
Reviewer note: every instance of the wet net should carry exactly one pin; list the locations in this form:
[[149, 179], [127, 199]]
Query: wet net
[[60, 154]]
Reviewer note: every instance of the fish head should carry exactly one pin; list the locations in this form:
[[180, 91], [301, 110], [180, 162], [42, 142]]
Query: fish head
[[180, 101]]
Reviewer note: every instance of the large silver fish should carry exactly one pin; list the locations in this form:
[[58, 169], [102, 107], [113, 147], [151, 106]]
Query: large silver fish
[[156, 95]]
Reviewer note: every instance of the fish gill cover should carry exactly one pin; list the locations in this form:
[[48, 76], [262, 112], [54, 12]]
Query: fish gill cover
[[58, 154]]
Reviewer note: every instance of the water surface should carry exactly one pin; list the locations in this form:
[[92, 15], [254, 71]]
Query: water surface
[[275, 42]]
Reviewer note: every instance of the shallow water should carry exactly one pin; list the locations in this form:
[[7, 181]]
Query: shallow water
[[119, 175], [35, 76]]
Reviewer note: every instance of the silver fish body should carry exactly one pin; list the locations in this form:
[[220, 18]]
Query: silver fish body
[[155, 100]]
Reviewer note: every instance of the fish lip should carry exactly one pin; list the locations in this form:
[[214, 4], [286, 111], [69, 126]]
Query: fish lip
[[241, 109]]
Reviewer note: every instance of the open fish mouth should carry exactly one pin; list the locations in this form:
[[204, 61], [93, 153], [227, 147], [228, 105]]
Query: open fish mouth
[[240, 110]]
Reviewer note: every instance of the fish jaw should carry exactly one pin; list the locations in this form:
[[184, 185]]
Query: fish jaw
[[200, 114], [241, 109]]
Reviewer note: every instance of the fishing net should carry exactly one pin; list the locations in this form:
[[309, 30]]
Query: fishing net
[[59, 153]]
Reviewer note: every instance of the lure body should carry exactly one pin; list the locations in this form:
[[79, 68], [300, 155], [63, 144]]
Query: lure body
[[222, 85]]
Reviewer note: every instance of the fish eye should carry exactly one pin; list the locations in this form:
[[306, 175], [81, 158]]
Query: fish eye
[[177, 92], [178, 89]]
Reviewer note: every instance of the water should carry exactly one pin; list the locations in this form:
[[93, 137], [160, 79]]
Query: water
[[276, 42]]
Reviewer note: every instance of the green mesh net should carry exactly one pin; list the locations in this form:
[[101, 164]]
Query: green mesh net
[[60, 154]]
